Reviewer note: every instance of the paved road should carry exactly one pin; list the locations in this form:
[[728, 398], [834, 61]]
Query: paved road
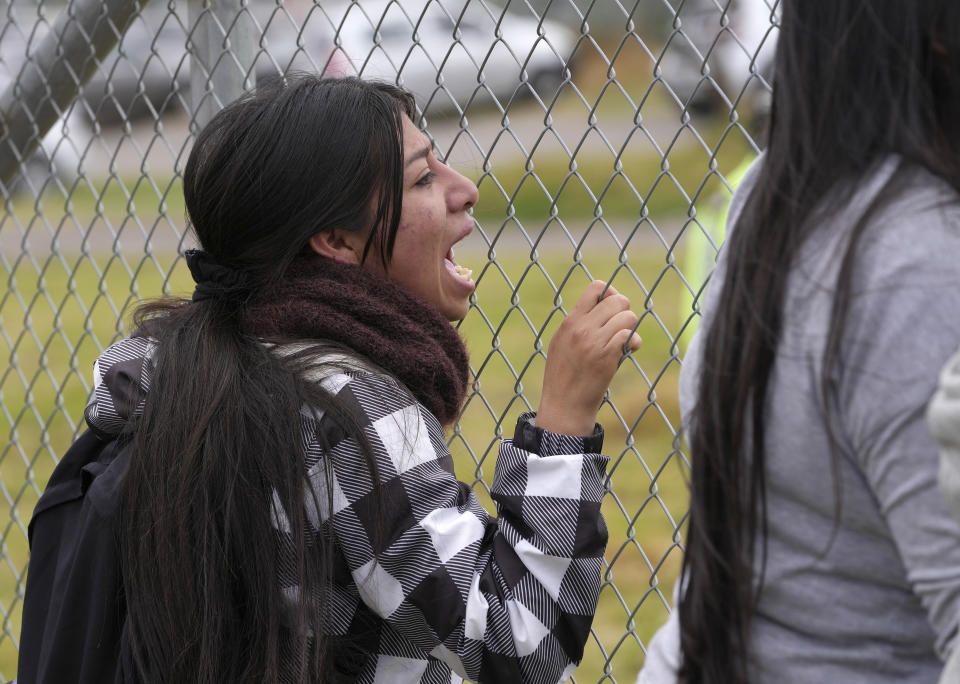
[[527, 126], [465, 144]]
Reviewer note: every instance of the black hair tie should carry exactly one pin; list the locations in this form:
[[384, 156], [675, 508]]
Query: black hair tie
[[215, 279]]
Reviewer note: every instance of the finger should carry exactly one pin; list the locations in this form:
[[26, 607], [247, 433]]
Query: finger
[[623, 320], [588, 300], [608, 289], [624, 340], [608, 309]]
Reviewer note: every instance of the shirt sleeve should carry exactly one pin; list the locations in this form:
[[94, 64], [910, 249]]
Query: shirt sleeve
[[497, 599], [662, 661], [121, 380], [904, 323]]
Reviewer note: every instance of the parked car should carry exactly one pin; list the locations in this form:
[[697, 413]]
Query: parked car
[[740, 39], [449, 53]]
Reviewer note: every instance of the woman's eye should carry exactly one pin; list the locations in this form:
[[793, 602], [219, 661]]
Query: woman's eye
[[427, 178]]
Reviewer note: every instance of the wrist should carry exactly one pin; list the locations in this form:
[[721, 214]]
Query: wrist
[[530, 437], [572, 421]]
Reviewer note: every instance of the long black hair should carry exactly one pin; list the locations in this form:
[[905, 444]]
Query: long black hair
[[218, 449], [855, 82]]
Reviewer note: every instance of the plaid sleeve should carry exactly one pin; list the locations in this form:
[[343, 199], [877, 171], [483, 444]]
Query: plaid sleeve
[[121, 380], [502, 599]]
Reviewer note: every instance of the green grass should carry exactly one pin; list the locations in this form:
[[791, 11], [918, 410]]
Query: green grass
[[628, 183]]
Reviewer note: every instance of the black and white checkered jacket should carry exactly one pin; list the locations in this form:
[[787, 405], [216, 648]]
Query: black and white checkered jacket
[[451, 591]]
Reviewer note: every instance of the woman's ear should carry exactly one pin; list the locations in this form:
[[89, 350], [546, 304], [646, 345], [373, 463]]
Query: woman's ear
[[339, 245]]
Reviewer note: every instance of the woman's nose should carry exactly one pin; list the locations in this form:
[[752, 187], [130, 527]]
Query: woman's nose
[[463, 192]]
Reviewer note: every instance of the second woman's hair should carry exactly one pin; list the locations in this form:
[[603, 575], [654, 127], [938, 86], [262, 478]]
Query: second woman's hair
[[855, 82], [217, 456]]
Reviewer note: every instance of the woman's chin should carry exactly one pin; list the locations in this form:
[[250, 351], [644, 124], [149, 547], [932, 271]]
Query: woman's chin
[[456, 297], [455, 309], [459, 314]]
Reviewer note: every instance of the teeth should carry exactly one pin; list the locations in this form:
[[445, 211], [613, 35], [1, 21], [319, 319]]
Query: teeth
[[463, 273]]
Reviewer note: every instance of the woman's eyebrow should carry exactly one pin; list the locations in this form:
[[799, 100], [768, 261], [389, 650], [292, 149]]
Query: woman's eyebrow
[[419, 154]]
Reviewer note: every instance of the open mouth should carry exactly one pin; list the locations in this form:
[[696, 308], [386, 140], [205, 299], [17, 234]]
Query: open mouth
[[456, 269]]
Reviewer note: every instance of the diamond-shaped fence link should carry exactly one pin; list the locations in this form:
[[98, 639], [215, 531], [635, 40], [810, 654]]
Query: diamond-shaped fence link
[[605, 138]]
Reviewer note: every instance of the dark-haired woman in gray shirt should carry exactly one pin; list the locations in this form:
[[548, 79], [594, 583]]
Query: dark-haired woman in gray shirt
[[818, 547]]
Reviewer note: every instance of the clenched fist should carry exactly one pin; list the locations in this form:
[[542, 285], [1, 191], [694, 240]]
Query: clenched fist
[[582, 358]]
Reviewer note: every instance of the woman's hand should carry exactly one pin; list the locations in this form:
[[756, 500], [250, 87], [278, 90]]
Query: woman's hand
[[582, 358]]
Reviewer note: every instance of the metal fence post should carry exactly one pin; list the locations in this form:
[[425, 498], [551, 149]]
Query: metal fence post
[[82, 35], [223, 47]]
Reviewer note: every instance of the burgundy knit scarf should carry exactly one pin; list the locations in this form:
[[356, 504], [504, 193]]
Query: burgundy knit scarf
[[323, 299]]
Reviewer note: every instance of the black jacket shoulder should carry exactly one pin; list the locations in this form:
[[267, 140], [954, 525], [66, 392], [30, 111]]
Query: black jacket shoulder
[[74, 609]]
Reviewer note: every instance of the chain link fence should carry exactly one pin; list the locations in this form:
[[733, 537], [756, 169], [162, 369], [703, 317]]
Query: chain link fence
[[604, 138]]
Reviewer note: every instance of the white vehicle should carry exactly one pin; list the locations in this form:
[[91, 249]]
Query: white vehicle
[[740, 38], [448, 53]]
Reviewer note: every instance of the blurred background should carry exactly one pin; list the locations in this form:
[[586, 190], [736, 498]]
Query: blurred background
[[605, 137]]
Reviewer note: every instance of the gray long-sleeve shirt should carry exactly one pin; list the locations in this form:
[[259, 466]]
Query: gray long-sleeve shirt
[[881, 602]]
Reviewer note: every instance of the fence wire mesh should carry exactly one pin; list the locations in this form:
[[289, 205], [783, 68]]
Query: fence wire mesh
[[605, 138]]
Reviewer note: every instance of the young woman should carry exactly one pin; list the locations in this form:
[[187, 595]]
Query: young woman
[[818, 548], [290, 511]]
